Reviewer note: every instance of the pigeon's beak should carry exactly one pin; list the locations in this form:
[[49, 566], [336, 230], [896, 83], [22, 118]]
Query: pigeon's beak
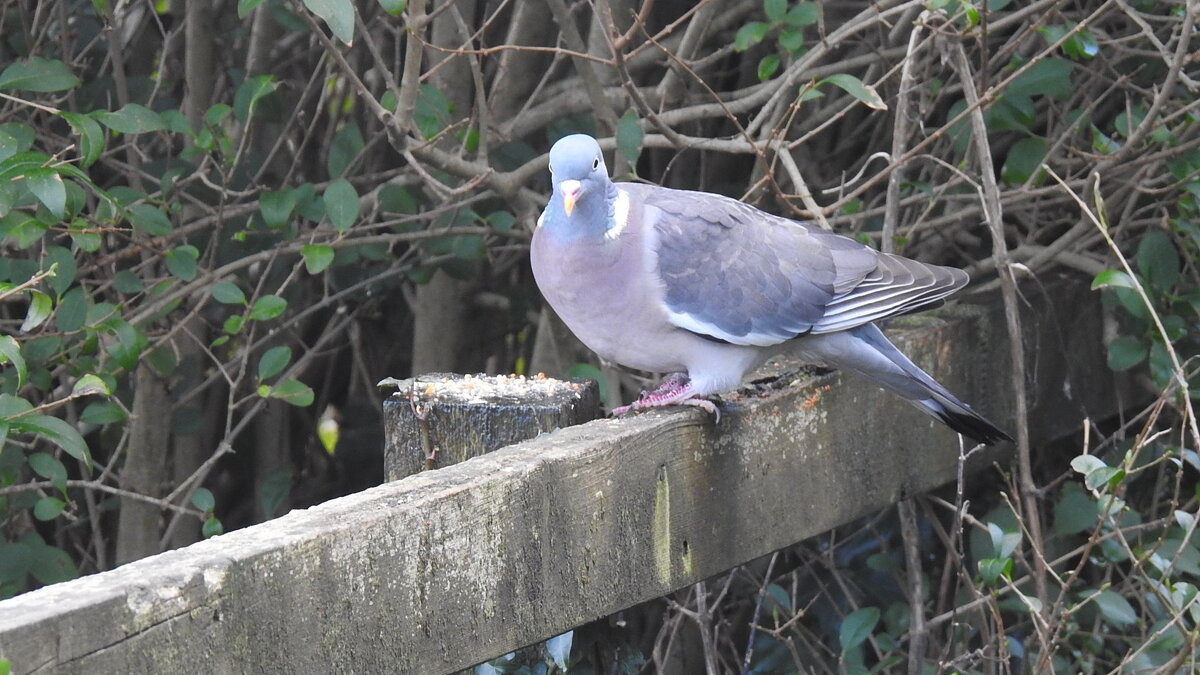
[[570, 192]]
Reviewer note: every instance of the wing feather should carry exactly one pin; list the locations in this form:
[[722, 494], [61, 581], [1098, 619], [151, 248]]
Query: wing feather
[[737, 274]]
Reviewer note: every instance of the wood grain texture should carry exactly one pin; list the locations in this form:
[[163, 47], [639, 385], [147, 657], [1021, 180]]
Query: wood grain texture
[[450, 567]]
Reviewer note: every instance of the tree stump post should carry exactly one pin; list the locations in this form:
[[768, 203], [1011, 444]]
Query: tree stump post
[[440, 419]]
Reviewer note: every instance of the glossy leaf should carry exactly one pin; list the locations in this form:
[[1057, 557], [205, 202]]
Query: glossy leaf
[[57, 432], [341, 204], [49, 467], [211, 528], [249, 93], [40, 307], [38, 74], [337, 14], [393, 7], [181, 261], [150, 220], [91, 385], [558, 648], [775, 10], [203, 500], [1024, 160], [768, 66], [294, 392], [1126, 352], [317, 258], [133, 118], [857, 627], [273, 361], [750, 34], [803, 14], [47, 186], [856, 88], [48, 508], [1158, 260], [1049, 77], [91, 136], [10, 352], [1115, 609], [247, 6], [267, 307], [630, 136], [1113, 279], [228, 293]]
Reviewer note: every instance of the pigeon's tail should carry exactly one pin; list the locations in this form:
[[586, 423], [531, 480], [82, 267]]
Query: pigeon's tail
[[866, 351]]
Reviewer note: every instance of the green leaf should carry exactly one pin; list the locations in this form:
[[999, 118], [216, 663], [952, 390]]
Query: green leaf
[[273, 361], [233, 325], [56, 431], [13, 406], [211, 528], [181, 261], [47, 466], [149, 219], [90, 385], [10, 352], [1113, 279], [1075, 511], [247, 6], [1158, 260], [856, 88], [1024, 160], [337, 14], [101, 413], [91, 136], [127, 282], [630, 136], [40, 307], [992, 569], [48, 508], [249, 93], [857, 627], [50, 565], [72, 312], [768, 66], [267, 307], [294, 392], [432, 110], [277, 207], [341, 204], [317, 258], [1103, 476], [501, 221], [1126, 352], [47, 186], [1115, 609], [228, 293], [346, 146], [1085, 464], [803, 14], [131, 119], [38, 74], [791, 39], [273, 490], [393, 7], [1049, 77], [750, 35], [775, 10], [203, 500]]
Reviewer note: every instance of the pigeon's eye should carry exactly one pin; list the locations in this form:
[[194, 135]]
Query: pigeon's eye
[[595, 164]]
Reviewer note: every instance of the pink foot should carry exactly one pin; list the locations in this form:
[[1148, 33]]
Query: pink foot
[[675, 390]]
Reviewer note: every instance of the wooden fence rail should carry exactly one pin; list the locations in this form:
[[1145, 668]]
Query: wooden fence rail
[[450, 567]]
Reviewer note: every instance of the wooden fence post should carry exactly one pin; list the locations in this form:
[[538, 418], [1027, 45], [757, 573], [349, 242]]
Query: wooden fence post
[[441, 419]]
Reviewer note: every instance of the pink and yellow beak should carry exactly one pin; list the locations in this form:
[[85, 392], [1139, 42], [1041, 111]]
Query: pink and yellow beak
[[570, 192]]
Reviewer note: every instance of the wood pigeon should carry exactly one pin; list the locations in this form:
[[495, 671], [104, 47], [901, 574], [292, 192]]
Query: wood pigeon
[[707, 288]]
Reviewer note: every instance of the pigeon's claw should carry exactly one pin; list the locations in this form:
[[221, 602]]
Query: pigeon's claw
[[675, 390]]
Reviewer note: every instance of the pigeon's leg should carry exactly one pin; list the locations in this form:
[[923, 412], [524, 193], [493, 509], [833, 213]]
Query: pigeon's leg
[[675, 390], [669, 384]]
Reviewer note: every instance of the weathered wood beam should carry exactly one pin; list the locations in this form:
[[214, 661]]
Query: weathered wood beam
[[450, 567]]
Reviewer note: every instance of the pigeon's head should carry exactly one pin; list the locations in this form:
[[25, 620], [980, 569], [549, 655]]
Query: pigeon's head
[[578, 172]]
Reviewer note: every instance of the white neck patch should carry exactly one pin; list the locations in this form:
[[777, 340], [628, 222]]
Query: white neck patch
[[620, 215]]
